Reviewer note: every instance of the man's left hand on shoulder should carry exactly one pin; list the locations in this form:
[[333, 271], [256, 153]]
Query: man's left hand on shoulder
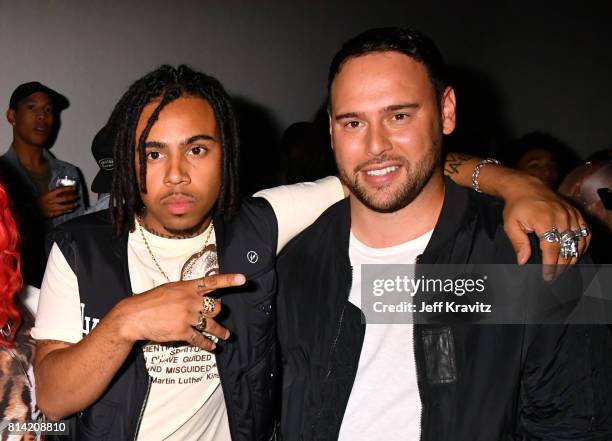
[[531, 207]]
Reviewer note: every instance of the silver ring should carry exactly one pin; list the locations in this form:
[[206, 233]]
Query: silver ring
[[569, 248], [201, 324], [568, 236], [208, 305], [552, 235], [583, 231]]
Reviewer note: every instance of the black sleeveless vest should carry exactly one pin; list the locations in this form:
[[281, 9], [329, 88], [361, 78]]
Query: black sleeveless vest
[[247, 363]]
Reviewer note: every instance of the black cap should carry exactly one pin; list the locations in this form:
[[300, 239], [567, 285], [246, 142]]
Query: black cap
[[60, 102], [102, 150]]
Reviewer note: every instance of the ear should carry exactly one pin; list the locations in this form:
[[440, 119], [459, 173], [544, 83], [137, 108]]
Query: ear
[[449, 111], [10, 116]]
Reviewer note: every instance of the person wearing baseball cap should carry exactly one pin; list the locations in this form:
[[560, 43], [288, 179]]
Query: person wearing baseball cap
[[59, 101], [102, 150], [44, 190]]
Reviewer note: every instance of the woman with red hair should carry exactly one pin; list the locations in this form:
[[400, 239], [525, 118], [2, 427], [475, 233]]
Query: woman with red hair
[[17, 400]]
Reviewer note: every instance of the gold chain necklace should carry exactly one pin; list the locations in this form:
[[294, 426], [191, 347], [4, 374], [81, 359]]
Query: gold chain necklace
[[210, 229]]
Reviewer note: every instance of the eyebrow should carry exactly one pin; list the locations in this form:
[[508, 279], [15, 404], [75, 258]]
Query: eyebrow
[[192, 139], [391, 108], [401, 106], [348, 115]]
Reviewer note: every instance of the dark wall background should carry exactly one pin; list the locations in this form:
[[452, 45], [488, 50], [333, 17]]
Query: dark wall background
[[521, 66]]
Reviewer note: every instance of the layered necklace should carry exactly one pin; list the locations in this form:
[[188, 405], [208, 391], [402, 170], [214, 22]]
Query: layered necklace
[[187, 269]]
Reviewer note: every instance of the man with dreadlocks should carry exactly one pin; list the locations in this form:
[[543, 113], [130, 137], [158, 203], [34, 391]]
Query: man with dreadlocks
[[141, 366], [161, 239]]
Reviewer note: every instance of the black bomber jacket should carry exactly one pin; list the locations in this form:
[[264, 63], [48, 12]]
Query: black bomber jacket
[[476, 382]]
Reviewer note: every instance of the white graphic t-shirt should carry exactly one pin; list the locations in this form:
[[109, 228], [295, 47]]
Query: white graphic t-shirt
[[182, 374], [384, 403]]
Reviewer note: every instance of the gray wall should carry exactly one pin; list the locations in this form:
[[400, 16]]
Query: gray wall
[[546, 67]]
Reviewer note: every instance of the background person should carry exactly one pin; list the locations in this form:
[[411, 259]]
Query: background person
[[589, 186], [34, 177], [542, 156], [102, 151]]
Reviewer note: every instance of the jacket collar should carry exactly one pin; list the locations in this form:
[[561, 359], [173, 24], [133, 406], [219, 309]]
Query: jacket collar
[[452, 217]]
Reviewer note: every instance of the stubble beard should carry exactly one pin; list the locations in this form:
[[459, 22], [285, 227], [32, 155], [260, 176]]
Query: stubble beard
[[392, 200]]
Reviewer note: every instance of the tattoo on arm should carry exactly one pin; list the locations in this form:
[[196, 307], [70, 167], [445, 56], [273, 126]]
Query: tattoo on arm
[[453, 162]]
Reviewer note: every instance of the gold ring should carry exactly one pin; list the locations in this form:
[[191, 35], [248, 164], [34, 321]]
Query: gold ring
[[201, 324], [208, 305]]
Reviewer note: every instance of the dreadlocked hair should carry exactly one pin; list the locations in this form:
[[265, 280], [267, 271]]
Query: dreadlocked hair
[[10, 273], [165, 85]]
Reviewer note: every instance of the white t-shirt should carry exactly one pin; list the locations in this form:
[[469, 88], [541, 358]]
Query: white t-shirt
[[181, 373], [185, 401], [384, 403]]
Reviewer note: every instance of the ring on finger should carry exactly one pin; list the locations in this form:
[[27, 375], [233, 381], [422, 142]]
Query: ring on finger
[[569, 248], [568, 251], [583, 231], [568, 236], [201, 324], [208, 305], [209, 336], [552, 235]]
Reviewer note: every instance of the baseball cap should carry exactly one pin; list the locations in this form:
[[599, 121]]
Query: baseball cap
[[102, 150], [24, 90]]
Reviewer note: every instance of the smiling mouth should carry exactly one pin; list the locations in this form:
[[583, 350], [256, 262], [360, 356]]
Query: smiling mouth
[[382, 171]]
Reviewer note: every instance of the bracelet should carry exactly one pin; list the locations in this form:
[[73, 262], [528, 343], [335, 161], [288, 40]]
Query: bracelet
[[476, 172]]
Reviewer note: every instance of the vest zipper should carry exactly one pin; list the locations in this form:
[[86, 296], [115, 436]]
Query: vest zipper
[[144, 404], [416, 365]]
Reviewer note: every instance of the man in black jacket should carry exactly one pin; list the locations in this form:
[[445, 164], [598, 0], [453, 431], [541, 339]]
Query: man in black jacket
[[389, 109]]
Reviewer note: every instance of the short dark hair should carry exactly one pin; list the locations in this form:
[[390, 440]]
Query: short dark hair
[[166, 84], [394, 39]]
